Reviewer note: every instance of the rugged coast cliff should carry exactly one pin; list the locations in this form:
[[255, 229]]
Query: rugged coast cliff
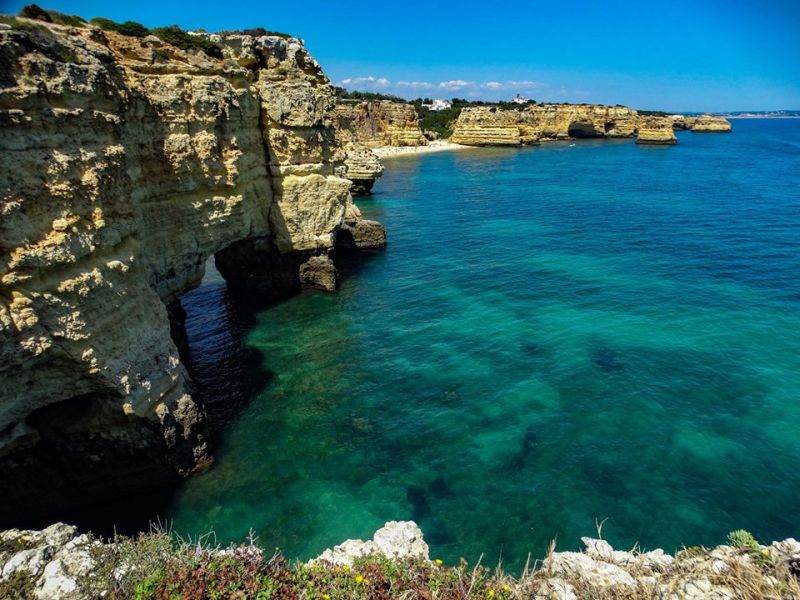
[[379, 123], [126, 162], [491, 125], [511, 126]]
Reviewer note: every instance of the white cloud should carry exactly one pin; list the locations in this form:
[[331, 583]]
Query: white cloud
[[525, 83], [370, 81], [454, 84], [416, 85], [492, 85]]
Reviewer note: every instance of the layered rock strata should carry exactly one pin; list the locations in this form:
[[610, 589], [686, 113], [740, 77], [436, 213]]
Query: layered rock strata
[[656, 131], [381, 123], [711, 124], [124, 164], [495, 126]]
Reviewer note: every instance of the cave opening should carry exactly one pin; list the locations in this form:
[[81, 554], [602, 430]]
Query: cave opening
[[582, 129]]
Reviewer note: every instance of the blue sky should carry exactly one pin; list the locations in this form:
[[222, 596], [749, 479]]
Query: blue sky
[[709, 55]]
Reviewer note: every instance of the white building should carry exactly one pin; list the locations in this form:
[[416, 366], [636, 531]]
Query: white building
[[438, 105], [520, 99]]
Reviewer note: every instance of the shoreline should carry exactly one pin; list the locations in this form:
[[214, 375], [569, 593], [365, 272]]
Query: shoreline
[[435, 146]]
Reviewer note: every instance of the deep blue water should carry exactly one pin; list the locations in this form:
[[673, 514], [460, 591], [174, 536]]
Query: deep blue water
[[553, 335]]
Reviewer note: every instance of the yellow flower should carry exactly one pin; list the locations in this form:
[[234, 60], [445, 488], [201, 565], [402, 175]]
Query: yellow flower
[[490, 593], [359, 579], [506, 589], [345, 568], [438, 562], [326, 597]]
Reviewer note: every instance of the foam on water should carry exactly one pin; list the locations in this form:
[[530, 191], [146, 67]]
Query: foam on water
[[553, 335]]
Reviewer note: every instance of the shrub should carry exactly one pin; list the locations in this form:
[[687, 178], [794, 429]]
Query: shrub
[[743, 540], [34, 11], [129, 28], [180, 39], [18, 25]]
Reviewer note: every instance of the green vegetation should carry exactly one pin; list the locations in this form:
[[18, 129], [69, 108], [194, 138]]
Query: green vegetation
[[344, 94], [743, 540], [180, 39], [34, 11], [20, 586], [129, 28], [653, 113], [20, 25], [158, 566], [256, 32]]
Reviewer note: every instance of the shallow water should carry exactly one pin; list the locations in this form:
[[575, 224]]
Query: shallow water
[[554, 335]]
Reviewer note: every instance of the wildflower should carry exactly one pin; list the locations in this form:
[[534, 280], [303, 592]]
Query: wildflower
[[438, 562], [345, 568], [359, 579], [505, 588], [326, 597], [490, 593]]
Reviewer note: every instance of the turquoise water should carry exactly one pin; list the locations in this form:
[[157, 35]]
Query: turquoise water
[[554, 335]]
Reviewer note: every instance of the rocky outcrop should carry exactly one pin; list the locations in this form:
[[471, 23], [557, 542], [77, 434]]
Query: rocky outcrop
[[682, 122], [396, 539], [381, 123], [656, 131], [58, 563], [363, 168], [124, 164], [711, 124], [496, 126]]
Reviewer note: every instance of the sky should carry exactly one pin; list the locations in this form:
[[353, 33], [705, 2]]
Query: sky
[[679, 55]]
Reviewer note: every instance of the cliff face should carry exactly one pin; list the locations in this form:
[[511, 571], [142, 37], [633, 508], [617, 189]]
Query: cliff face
[[711, 124], [124, 164], [493, 126], [381, 123], [656, 131]]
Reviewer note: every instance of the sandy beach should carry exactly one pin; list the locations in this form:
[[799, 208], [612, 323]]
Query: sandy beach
[[435, 146]]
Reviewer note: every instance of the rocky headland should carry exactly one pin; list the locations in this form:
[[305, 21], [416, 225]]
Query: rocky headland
[[533, 124], [59, 563], [378, 123], [125, 163]]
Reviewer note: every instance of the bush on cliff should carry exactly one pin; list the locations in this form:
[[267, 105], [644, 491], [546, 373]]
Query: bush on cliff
[[129, 28], [185, 41], [34, 11]]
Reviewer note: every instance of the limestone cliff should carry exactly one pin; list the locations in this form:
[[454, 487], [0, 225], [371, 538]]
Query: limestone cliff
[[495, 126], [381, 123], [656, 131], [124, 164], [711, 124]]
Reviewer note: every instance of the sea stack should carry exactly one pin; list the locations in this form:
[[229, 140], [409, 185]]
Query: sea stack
[[656, 131], [711, 124]]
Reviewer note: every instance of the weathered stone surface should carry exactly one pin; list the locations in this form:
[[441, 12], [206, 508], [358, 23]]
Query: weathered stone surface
[[319, 273], [575, 565], [711, 124], [656, 131], [496, 126], [357, 233], [64, 565], [396, 539], [124, 164], [381, 123]]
